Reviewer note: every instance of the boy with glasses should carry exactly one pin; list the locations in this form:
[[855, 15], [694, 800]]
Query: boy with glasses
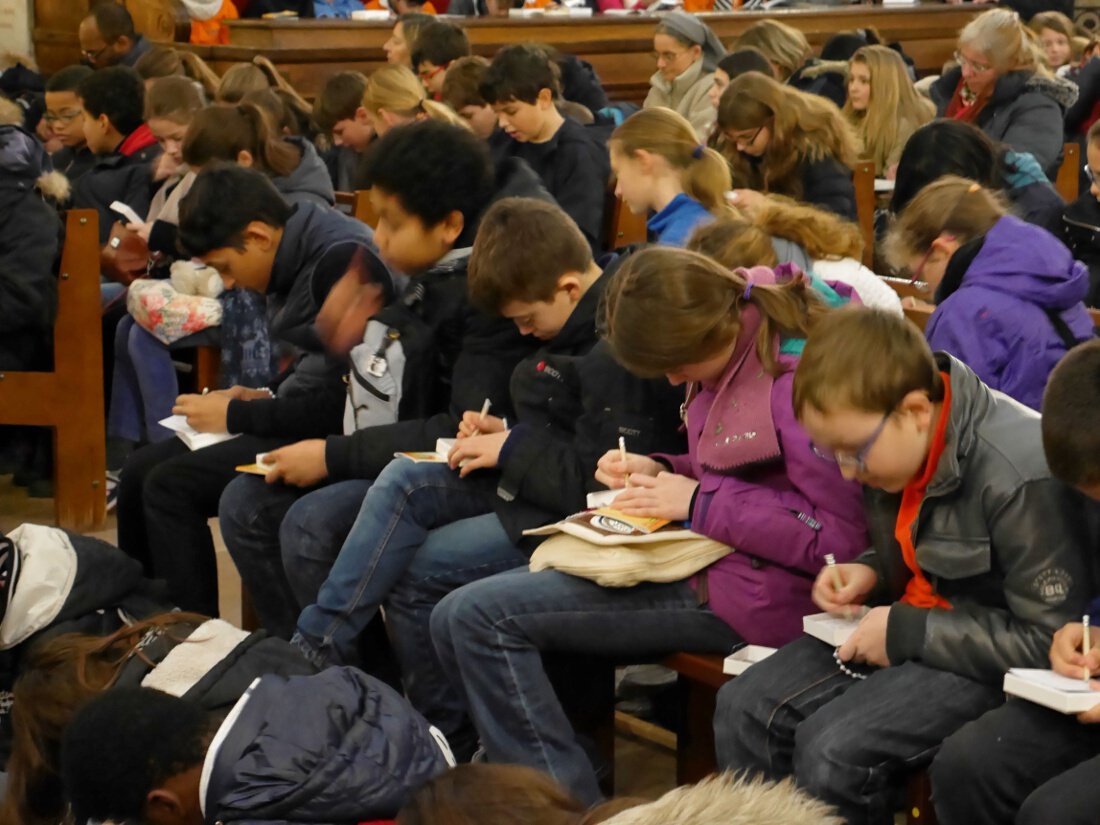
[[978, 555], [65, 117], [437, 46]]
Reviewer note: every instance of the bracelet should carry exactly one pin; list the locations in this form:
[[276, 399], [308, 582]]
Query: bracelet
[[267, 390], [847, 671]]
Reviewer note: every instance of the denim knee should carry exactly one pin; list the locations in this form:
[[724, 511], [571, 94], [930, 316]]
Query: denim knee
[[238, 504]]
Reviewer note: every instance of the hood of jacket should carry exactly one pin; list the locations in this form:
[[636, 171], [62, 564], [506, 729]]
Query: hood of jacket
[[203, 9], [310, 180], [725, 799], [678, 87], [1027, 262], [25, 164], [339, 746]]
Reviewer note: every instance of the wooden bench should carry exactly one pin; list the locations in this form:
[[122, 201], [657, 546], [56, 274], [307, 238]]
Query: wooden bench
[[700, 679], [70, 398], [357, 205], [863, 179], [621, 226], [1067, 181]]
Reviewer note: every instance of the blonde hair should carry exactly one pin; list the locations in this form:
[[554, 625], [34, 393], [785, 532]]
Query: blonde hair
[[894, 102], [783, 45], [735, 241], [704, 173], [1058, 22], [955, 205], [173, 98], [666, 308], [242, 78], [804, 128], [397, 90], [1005, 42]]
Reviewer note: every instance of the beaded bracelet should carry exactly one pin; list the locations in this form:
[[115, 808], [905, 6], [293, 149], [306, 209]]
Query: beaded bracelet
[[847, 671]]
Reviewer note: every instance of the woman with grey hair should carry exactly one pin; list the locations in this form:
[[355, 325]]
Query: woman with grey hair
[[687, 53]]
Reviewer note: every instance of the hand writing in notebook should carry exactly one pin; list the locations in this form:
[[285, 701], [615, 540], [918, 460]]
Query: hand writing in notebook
[[1066, 659], [665, 495], [205, 413], [868, 642], [857, 580], [474, 424], [477, 452], [612, 472], [299, 465]]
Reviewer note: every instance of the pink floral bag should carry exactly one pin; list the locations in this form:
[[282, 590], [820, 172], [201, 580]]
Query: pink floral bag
[[173, 309]]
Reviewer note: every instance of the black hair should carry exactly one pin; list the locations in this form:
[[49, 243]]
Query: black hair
[[518, 73], [113, 21], [125, 743], [946, 147], [223, 201], [410, 161], [744, 60], [842, 45], [439, 43], [119, 93], [68, 79]]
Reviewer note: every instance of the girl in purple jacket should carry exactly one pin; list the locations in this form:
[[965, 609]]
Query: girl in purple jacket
[[751, 480]]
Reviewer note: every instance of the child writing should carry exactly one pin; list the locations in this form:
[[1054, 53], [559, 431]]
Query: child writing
[[1008, 294], [959, 589], [726, 336], [787, 142], [883, 106], [661, 167], [1023, 762]]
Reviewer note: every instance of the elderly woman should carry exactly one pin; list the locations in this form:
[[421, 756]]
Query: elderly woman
[[1003, 88], [687, 54]]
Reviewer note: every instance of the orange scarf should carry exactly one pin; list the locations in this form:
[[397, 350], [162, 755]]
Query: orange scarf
[[919, 592]]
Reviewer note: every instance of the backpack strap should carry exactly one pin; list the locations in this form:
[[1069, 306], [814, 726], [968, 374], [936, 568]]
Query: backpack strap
[[1063, 330]]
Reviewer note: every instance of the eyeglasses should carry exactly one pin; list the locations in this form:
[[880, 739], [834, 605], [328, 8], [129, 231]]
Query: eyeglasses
[[856, 460], [965, 62], [668, 57], [93, 57], [64, 117], [739, 140], [427, 74]]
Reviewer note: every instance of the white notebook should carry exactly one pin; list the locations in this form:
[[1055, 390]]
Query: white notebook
[[742, 659], [833, 630], [601, 498], [443, 447], [1051, 690], [189, 435]]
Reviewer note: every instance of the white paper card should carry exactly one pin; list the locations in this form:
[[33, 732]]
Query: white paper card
[[740, 660]]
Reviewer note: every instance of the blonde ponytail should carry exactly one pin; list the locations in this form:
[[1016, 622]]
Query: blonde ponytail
[[397, 90], [704, 173]]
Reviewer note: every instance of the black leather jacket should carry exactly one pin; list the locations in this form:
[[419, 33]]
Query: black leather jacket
[[1008, 545]]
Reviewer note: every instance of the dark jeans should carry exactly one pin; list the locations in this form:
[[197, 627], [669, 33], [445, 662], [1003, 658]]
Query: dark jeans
[[490, 636], [253, 514], [847, 742], [1020, 763], [166, 494]]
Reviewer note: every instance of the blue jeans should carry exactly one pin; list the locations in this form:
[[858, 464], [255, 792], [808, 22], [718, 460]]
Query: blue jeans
[[406, 501], [847, 742], [490, 637], [144, 385], [253, 514]]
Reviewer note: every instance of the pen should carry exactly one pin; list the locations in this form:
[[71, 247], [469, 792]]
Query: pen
[[1085, 645], [838, 584], [622, 457]]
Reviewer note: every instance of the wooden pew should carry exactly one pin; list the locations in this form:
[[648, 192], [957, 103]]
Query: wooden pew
[[70, 398], [1068, 179], [700, 678], [621, 226], [863, 178], [357, 205]]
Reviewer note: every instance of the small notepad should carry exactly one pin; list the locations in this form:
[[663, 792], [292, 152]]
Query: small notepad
[[443, 447], [190, 436], [833, 630], [1051, 690], [743, 658]]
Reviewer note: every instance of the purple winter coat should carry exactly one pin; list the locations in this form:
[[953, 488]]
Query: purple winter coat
[[994, 320], [781, 517]]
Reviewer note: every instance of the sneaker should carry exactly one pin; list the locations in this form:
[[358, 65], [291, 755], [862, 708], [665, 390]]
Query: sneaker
[[112, 489]]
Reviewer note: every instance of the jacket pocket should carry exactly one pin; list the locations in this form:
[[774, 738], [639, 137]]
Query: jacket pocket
[[955, 558]]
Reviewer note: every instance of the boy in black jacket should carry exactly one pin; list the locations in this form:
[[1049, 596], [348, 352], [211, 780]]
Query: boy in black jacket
[[425, 529], [65, 117], [113, 101], [235, 221], [433, 357], [521, 87]]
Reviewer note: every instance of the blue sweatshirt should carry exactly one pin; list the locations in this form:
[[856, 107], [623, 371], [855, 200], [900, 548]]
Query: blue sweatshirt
[[674, 224]]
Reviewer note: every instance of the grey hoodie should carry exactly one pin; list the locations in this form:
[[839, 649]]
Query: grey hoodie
[[310, 182]]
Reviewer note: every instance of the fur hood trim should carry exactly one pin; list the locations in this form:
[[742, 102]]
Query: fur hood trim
[[1061, 91], [727, 799], [54, 186], [11, 113]]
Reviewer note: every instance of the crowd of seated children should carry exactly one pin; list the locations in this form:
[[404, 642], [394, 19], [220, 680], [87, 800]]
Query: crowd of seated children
[[662, 171], [687, 53], [958, 587], [399, 46], [1001, 85], [462, 92], [107, 37], [437, 46], [1022, 762], [235, 220], [444, 529], [730, 335], [1008, 294], [453, 359], [521, 87], [883, 107], [952, 147], [65, 117], [164, 61], [787, 142], [779, 231]]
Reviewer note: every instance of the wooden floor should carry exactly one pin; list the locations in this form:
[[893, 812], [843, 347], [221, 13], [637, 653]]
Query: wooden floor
[[642, 768]]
